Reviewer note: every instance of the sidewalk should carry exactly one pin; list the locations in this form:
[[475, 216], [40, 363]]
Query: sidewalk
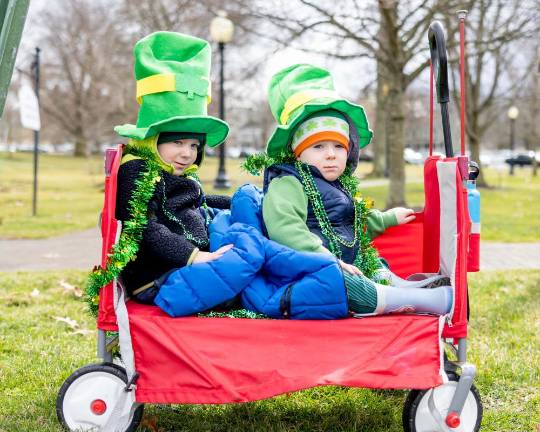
[[82, 250]]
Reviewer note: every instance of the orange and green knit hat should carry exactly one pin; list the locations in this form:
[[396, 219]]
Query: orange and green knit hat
[[297, 93], [328, 125]]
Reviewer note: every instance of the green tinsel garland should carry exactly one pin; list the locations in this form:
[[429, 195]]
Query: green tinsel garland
[[367, 258], [128, 244], [256, 163], [235, 313]]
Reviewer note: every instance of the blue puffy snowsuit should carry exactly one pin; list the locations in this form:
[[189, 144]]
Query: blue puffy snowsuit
[[271, 279]]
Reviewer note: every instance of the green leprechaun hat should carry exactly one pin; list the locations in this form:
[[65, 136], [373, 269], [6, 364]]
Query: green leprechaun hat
[[297, 92], [173, 88]]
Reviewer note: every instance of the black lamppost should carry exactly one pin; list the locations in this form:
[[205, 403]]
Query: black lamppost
[[221, 31], [513, 114], [35, 67], [30, 119]]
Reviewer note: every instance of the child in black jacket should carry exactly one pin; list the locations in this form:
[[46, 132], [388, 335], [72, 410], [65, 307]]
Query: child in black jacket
[[178, 211], [160, 201]]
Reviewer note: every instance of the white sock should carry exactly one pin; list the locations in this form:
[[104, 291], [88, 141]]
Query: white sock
[[436, 301]]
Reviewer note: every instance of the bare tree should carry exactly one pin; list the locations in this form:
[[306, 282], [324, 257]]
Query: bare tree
[[11, 131], [391, 32], [85, 65], [528, 100], [147, 16], [379, 139], [492, 73], [243, 59]]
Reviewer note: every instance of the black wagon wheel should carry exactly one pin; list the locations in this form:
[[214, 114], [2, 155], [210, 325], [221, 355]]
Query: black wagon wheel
[[418, 416], [88, 397]]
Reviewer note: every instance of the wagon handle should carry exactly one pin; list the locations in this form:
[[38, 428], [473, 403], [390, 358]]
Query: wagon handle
[[437, 48]]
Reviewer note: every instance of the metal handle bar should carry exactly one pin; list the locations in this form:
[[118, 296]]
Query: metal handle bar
[[437, 48]]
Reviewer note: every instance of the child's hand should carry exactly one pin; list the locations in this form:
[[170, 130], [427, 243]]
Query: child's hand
[[404, 215], [203, 257], [349, 268]]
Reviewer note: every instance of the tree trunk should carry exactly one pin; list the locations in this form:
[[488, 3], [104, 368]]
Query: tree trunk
[[380, 163], [379, 145], [474, 145], [535, 116], [81, 147], [395, 138], [395, 119]]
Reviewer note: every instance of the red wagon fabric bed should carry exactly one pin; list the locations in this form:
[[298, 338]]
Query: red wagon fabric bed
[[222, 360]]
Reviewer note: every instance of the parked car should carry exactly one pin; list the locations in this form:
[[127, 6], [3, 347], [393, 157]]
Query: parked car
[[248, 151], [365, 156], [521, 159], [210, 151], [29, 148], [233, 152], [412, 156]]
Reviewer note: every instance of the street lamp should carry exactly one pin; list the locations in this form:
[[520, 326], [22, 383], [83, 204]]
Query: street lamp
[[221, 31], [513, 114]]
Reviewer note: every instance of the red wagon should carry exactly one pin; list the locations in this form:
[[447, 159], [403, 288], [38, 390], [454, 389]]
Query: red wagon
[[199, 360]]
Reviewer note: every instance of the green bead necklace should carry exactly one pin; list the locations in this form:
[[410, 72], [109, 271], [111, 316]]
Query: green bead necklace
[[202, 243], [367, 258]]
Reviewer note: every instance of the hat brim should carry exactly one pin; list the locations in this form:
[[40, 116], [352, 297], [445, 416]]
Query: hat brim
[[281, 137], [216, 130]]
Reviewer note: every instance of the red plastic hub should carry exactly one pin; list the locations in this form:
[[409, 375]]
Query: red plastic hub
[[452, 419], [98, 407]]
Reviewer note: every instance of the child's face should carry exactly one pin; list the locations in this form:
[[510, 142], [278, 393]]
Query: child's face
[[180, 154], [329, 157]]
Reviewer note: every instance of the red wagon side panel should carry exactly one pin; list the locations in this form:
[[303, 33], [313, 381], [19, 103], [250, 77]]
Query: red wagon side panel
[[459, 318], [416, 247], [222, 360], [109, 227], [403, 247], [432, 216]]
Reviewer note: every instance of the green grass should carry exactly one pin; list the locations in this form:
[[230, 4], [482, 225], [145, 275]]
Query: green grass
[[71, 195], [37, 352], [70, 191], [510, 207]]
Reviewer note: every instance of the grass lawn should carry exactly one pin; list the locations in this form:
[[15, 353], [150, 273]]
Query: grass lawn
[[40, 346], [71, 195]]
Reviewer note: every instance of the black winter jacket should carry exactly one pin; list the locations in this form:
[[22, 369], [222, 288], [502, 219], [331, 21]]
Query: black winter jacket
[[164, 246]]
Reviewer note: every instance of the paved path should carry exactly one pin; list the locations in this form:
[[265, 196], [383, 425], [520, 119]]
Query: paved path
[[82, 250], [495, 256]]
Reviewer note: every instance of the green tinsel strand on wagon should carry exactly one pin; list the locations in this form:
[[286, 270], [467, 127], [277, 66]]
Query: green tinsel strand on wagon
[[235, 313], [128, 244]]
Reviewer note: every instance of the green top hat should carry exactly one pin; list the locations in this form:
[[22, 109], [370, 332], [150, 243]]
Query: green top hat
[[297, 92], [173, 88]]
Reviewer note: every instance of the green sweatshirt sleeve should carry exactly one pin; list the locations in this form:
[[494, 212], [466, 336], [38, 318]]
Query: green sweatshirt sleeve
[[285, 213], [378, 222]]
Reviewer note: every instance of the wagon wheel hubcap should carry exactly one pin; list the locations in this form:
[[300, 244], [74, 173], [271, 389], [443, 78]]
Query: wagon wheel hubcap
[[426, 420], [90, 400]]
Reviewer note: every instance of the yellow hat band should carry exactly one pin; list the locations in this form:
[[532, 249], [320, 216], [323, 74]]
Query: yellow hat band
[[174, 82], [301, 98]]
